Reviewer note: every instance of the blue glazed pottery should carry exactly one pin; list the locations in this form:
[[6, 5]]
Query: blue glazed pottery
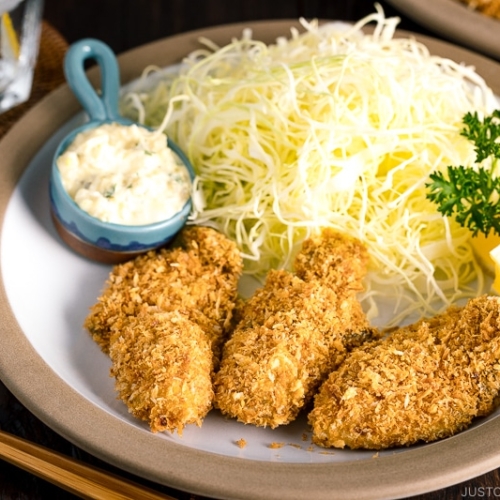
[[89, 236]]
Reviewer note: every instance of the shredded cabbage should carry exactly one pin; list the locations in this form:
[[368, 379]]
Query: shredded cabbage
[[329, 128]]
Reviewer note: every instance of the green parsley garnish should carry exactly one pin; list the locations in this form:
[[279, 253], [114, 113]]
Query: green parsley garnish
[[472, 195], [110, 192]]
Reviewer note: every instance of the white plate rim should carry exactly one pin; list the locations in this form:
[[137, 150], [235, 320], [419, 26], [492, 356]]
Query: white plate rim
[[34, 383]]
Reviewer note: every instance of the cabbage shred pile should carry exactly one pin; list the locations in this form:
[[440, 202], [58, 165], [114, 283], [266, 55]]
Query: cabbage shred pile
[[330, 127]]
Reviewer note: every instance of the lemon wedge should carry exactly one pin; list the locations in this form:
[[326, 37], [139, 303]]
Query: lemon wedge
[[483, 246], [487, 251], [495, 257], [10, 40]]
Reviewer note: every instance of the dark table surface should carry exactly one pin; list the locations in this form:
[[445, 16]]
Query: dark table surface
[[124, 24]]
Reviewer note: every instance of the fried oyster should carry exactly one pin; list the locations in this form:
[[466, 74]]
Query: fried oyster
[[422, 383], [162, 318], [293, 332], [162, 363], [198, 277]]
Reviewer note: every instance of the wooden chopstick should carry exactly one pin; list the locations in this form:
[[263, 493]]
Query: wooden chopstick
[[71, 475]]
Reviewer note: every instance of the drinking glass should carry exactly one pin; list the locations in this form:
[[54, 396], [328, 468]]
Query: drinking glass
[[20, 25]]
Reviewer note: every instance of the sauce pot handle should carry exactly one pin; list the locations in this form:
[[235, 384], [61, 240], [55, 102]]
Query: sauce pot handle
[[103, 107]]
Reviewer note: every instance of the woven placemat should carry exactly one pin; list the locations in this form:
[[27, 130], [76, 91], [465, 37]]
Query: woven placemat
[[48, 74]]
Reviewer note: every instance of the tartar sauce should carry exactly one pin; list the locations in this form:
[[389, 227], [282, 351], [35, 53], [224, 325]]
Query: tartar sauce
[[124, 174]]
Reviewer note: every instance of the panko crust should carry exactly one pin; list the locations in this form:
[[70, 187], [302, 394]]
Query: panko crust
[[162, 364], [422, 383], [290, 336], [198, 277], [162, 318], [334, 259]]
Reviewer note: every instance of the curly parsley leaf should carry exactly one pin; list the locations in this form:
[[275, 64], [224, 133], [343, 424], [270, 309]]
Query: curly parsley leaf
[[472, 195], [484, 134]]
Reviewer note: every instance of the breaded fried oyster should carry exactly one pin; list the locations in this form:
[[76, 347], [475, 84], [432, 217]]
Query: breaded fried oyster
[[198, 277], [162, 363], [424, 382], [162, 319], [292, 333]]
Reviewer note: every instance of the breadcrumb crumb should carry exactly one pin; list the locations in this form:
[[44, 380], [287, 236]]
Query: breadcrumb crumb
[[241, 443], [276, 446]]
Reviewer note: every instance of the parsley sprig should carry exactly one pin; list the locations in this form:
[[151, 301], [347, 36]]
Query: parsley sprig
[[472, 195]]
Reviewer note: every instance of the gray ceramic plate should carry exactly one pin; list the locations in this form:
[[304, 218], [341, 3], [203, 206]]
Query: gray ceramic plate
[[456, 21], [55, 369]]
